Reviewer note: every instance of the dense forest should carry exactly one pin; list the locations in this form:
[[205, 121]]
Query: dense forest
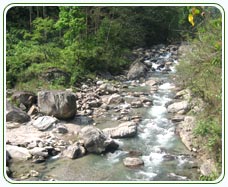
[[82, 42]]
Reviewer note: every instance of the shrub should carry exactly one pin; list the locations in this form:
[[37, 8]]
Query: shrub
[[212, 133], [200, 70], [211, 177]]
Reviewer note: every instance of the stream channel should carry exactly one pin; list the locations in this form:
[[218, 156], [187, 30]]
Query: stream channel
[[164, 155]]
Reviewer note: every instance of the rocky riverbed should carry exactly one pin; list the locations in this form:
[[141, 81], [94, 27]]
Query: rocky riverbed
[[126, 128]]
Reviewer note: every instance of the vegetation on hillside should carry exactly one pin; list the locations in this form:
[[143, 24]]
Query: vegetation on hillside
[[82, 40], [200, 70]]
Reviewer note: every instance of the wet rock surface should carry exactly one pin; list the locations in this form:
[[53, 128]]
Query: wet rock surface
[[133, 162], [124, 130]]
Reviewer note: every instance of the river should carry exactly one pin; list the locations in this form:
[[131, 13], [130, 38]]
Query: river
[[164, 155]]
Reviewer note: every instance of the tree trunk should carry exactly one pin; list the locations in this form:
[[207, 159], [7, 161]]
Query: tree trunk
[[87, 22], [44, 12], [110, 25], [44, 16], [30, 18], [37, 12]]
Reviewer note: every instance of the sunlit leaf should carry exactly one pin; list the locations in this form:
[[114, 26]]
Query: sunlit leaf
[[195, 11], [218, 45], [191, 19]]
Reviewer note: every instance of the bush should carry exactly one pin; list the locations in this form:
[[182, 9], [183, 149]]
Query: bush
[[211, 177], [200, 70], [211, 131]]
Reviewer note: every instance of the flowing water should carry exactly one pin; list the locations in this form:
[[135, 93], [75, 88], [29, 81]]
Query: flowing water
[[165, 157]]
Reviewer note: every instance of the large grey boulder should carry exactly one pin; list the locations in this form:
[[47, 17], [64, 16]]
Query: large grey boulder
[[137, 70], [44, 122], [181, 107], [75, 150], [95, 141], [25, 98], [60, 104], [124, 130], [18, 153], [15, 114]]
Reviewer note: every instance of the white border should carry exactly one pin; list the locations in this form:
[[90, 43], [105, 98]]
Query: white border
[[143, 4]]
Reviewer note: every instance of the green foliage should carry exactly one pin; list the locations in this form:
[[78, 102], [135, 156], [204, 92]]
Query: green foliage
[[82, 40], [26, 56], [211, 131], [200, 70], [71, 23], [35, 85], [211, 177], [43, 30]]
